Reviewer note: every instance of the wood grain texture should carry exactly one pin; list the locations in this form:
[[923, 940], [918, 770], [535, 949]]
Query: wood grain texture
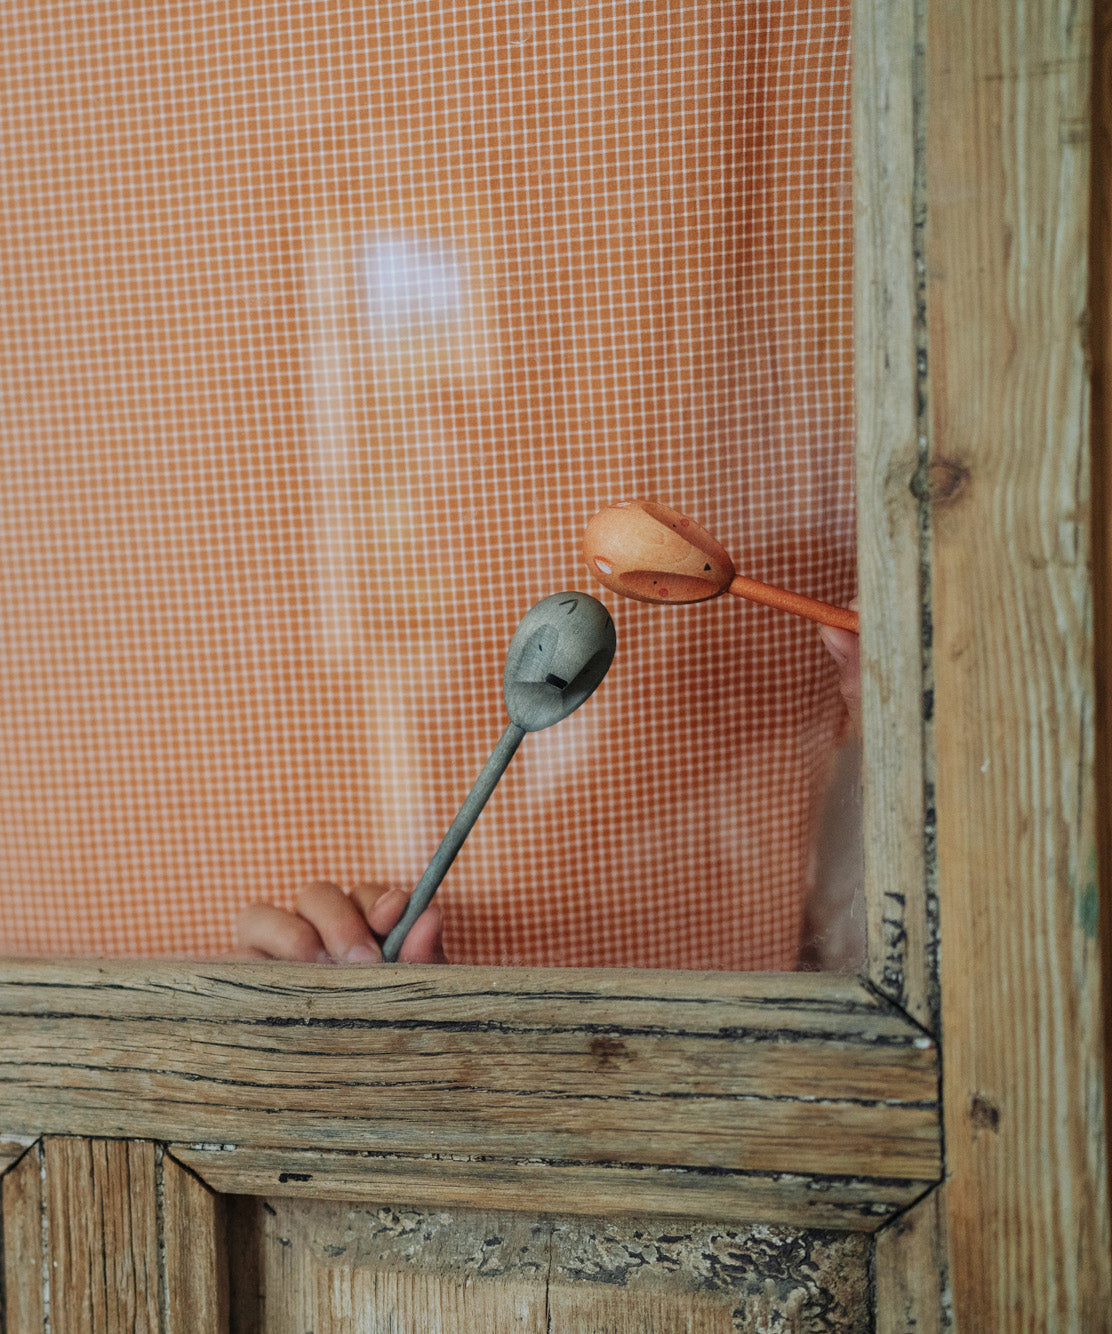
[[102, 1233], [194, 1250], [888, 241], [1100, 347], [25, 1279], [334, 1268], [910, 1273], [1008, 92], [858, 1204], [894, 485], [12, 1149], [810, 1078]]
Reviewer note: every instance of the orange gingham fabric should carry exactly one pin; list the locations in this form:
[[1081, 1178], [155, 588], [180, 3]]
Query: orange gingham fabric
[[326, 327]]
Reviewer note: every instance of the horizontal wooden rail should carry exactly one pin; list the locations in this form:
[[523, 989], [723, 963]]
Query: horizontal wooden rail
[[788, 1098]]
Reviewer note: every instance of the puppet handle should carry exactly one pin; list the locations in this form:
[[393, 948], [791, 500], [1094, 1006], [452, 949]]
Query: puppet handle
[[845, 618]]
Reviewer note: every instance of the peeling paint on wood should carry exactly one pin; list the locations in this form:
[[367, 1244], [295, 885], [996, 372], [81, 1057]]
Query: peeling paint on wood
[[466, 1270]]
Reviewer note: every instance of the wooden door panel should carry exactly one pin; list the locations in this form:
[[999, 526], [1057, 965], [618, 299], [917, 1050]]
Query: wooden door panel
[[114, 1235], [337, 1268]]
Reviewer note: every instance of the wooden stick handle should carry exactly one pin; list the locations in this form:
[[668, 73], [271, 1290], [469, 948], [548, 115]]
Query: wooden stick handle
[[845, 618], [452, 841]]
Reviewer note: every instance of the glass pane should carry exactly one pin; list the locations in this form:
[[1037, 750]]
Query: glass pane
[[327, 328]]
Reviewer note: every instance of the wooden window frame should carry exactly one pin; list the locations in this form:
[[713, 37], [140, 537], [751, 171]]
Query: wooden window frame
[[982, 337]]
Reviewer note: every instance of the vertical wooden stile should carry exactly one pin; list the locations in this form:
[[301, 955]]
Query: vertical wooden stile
[[893, 490], [1008, 92], [887, 332], [195, 1253], [1100, 345]]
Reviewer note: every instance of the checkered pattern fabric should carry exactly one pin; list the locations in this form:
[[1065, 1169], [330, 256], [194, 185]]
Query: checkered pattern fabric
[[326, 327]]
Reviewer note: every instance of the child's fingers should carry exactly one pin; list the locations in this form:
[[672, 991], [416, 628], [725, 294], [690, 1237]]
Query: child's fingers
[[266, 932], [383, 906], [425, 942], [844, 646], [340, 923], [331, 926]]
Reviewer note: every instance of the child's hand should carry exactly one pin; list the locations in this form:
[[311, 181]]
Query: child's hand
[[845, 648], [331, 926]]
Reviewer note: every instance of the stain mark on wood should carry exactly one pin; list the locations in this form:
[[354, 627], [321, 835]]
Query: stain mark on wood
[[609, 1052]]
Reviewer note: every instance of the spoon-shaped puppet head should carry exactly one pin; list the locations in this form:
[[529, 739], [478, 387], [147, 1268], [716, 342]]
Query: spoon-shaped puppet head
[[655, 554], [560, 652]]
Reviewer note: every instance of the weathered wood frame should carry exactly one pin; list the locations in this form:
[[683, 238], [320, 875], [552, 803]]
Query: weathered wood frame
[[806, 1100]]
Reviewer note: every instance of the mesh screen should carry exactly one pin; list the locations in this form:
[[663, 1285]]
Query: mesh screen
[[326, 327]]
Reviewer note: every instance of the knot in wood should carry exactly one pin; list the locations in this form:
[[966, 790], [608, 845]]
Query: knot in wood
[[946, 480]]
